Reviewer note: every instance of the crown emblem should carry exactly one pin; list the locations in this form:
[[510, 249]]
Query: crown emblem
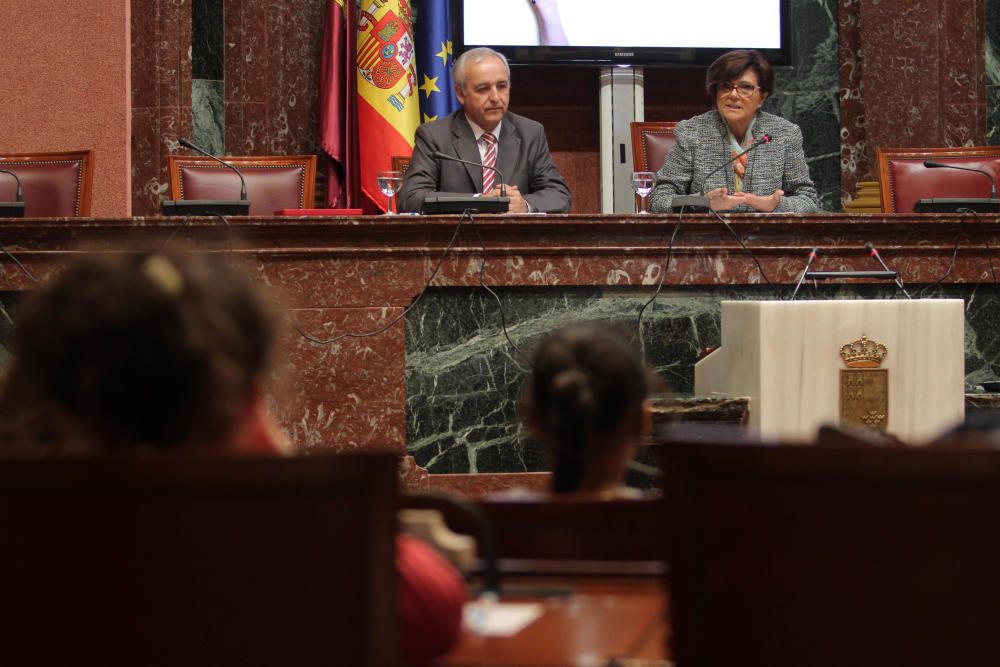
[[863, 353]]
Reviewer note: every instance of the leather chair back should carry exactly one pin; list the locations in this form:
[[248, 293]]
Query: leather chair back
[[400, 163], [883, 552], [651, 142], [273, 182], [904, 179], [54, 185], [199, 561]]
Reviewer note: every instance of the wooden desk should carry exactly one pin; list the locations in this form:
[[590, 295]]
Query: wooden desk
[[599, 621]]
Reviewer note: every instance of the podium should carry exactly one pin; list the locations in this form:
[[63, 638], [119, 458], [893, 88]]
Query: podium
[[787, 357]]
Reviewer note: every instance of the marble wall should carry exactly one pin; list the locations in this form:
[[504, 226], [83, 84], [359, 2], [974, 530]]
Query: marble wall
[[256, 68], [992, 14], [208, 75], [161, 95], [912, 73], [238, 76], [463, 377]]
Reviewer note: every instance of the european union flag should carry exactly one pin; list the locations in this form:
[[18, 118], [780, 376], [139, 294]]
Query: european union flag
[[434, 60]]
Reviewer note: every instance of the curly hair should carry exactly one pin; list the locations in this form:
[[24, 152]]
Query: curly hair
[[152, 348]]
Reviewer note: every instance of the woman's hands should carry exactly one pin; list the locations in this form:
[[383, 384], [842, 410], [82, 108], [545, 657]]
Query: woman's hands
[[721, 200]]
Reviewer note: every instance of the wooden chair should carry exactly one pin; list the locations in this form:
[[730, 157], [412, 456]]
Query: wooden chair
[[401, 163], [54, 185], [574, 533], [904, 179], [822, 556], [651, 142], [204, 561], [274, 182]]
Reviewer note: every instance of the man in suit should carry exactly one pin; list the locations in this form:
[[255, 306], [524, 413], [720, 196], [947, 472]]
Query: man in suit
[[483, 131]]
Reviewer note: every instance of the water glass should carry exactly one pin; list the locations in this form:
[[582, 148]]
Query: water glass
[[642, 183], [388, 182]]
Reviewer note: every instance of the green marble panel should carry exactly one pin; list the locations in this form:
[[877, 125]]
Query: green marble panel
[[463, 376]]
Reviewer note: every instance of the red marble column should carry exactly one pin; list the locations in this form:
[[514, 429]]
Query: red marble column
[[161, 95], [912, 73], [272, 75]]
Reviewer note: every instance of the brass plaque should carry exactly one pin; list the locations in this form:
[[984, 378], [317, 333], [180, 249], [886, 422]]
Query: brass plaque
[[864, 397]]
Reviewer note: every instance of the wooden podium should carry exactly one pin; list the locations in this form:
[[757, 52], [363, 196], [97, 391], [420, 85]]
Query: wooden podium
[[787, 357]]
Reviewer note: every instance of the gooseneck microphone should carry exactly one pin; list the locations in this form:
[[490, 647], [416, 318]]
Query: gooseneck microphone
[[243, 184], [19, 196], [438, 155], [802, 278], [931, 164], [14, 209], [764, 139], [700, 200], [899, 282]]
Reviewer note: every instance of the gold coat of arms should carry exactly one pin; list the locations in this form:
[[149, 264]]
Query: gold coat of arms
[[864, 387]]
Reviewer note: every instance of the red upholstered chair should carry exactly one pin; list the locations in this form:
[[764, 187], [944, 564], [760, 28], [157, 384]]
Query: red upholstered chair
[[274, 182], [400, 163], [651, 142], [54, 185], [904, 179]]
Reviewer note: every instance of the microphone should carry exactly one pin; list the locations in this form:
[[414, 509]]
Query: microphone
[[243, 184], [899, 283], [13, 209], [931, 164], [701, 201], [438, 155], [19, 197], [812, 256]]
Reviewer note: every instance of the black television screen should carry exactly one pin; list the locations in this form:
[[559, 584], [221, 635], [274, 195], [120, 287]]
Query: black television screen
[[646, 32]]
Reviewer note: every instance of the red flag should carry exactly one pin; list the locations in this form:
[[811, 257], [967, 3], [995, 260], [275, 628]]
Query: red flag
[[337, 118], [388, 113]]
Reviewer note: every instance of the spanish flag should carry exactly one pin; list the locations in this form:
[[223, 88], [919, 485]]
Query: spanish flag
[[388, 112]]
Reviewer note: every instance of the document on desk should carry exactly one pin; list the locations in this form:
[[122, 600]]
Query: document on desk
[[500, 619]]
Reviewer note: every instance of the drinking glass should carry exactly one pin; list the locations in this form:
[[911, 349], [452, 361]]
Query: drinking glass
[[642, 183], [388, 183]]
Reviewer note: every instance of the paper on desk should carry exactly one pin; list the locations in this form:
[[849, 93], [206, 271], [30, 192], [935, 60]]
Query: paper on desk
[[500, 619]]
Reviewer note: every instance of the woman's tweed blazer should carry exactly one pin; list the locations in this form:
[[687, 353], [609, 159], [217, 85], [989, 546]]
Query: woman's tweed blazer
[[702, 146]]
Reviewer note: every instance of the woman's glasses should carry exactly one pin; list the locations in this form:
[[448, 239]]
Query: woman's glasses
[[744, 89]]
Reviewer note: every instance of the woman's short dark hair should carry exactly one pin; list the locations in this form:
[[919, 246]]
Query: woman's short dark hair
[[729, 66], [152, 348], [587, 381]]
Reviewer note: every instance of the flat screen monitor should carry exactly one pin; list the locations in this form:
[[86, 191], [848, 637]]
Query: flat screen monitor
[[647, 32]]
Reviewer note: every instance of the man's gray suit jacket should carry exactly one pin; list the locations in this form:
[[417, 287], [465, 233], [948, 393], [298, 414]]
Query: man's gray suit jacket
[[522, 157]]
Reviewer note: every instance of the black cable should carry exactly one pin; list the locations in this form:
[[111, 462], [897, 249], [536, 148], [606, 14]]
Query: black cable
[[482, 283], [986, 242], [16, 261], [954, 257], [742, 245], [392, 322], [659, 283]]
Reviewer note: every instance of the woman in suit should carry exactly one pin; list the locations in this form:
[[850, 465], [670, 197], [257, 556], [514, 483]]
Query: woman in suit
[[772, 177]]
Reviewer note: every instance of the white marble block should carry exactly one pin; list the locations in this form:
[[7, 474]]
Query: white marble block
[[786, 357]]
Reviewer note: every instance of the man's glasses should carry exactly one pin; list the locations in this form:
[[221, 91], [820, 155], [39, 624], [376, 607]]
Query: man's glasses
[[744, 89]]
